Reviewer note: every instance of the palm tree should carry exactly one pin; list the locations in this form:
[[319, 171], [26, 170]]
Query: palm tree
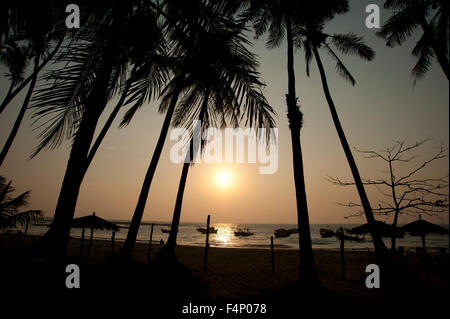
[[72, 107], [279, 19], [40, 28], [9, 207], [19, 19], [217, 102], [196, 49], [312, 39], [432, 16]]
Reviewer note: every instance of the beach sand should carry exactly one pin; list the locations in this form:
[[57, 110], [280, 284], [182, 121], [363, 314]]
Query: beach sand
[[247, 273]]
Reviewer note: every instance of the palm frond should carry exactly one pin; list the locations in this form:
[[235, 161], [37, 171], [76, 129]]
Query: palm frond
[[340, 67], [9, 206], [400, 26], [308, 55], [59, 103], [20, 218], [276, 32], [351, 43], [425, 54]]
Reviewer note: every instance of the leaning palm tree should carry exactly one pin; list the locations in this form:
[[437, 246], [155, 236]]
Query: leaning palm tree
[[432, 16], [41, 27], [71, 108], [312, 38], [10, 216], [23, 21], [279, 19], [218, 100], [193, 35]]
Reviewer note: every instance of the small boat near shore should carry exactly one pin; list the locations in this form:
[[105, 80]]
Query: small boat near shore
[[244, 232], [326, 233], [339, 236], [212, 230], [281, 232], [165, 231]]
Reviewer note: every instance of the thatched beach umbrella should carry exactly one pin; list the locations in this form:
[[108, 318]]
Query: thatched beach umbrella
[[92, 222], [421, 228], [380, 227]]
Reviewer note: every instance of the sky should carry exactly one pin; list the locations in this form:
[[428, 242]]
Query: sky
[[383, 106]]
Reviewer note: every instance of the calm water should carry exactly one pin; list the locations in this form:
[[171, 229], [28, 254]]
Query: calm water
[[188, 235]]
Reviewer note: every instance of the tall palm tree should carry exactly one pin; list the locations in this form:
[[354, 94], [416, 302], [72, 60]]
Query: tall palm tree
[[40, 27], [24, 20], [196, 44], [217, 102], [312, 38], [73, 106], [279, 18], [432, 16], [9, 206]]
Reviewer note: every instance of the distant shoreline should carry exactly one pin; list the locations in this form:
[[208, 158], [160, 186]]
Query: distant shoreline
[[101, 241]]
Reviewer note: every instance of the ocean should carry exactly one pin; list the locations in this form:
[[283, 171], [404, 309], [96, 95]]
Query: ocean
[[188, 235]]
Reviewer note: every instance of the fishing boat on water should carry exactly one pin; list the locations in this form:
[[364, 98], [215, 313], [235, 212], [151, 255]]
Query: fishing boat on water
[[281, 232], [212, 230], [326, 233], [243, 232], [165, 231]]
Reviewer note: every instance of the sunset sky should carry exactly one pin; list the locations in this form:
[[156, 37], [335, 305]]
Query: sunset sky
[[382, 107]]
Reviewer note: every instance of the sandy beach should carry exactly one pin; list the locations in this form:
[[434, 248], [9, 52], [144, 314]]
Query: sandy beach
[[246, 274]]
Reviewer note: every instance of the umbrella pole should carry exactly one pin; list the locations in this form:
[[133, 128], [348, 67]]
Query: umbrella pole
[[90, 242], [112, 242], [423, 244], [82, 243], [25, 234], [150, 244], [344, 274]]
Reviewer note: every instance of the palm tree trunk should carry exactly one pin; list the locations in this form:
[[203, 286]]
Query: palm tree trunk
[[377, 240], [140, 206], [169, 247], [54, 242], [110, 120], [167, 253], [11, 87], [21, 114], [307, 266], [8, 98]]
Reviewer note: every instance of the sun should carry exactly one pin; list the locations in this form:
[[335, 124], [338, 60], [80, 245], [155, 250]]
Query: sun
[[223, 178]]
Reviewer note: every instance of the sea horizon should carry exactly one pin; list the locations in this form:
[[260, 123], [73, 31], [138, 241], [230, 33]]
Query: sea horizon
[[225, 237]]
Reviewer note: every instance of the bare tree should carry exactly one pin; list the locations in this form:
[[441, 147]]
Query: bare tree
[[408, 192]]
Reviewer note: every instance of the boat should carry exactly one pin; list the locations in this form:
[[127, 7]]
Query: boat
[[339, 236], [281, 232], [293, 231], [326, 233], [243, 232], [212, 230], [165, 231]]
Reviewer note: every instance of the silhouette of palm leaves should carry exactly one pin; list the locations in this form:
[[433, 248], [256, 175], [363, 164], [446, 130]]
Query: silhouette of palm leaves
[[430, 15], [9, 206]]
